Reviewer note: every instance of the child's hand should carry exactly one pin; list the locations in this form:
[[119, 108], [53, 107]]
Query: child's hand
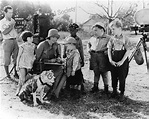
[[118, 64], [59, 60], [113, 63], [72, 73], [52, 60]]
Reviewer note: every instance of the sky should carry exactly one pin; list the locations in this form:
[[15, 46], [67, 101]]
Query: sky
[[84, 7]]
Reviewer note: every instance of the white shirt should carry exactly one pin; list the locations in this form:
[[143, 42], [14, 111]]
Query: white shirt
[[93, 42], [4, 23]]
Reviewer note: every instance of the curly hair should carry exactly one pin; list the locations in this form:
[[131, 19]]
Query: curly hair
[[116, 23]]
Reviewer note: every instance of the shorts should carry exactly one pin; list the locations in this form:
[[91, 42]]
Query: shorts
[[92, 58], [11, 48], [100, 63]]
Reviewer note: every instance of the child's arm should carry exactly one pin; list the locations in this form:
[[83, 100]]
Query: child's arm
[[75, 63], [39, 51], [128, 47], [19, 56], [64, 51], [124, 58], [109, 46], [81, 52], [89, 47], [110, 57]]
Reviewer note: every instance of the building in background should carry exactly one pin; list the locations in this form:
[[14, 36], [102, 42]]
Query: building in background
[[87, 25]]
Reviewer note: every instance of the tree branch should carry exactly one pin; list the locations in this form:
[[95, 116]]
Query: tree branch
[[86, 11], [103, 7], [90, 13], [114, 16]]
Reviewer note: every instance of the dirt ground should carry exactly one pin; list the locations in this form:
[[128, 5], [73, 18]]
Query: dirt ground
[[88, 106]]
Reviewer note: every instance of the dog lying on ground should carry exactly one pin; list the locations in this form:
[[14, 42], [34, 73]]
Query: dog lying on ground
[[36, 85]]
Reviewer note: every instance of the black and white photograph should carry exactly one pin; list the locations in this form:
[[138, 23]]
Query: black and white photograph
[[74, 59]]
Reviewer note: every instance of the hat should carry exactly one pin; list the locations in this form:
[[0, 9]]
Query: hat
[[73, 26], [70, 40], [99, 24], [53, 33]]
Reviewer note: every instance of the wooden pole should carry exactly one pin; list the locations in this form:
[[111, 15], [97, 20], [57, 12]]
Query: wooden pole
[[76, 12]]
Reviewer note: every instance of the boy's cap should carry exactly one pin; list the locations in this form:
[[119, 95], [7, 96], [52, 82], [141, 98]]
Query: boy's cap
[[70, 40], [73, 26], [99, 24], [53, 33]]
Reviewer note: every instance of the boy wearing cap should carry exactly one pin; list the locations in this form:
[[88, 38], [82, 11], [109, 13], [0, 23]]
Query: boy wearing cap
[[73, 64], [73, 29], [100, 62]]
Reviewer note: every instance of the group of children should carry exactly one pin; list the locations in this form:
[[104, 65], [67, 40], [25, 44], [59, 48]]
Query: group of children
[[47, 49], [108, 54]]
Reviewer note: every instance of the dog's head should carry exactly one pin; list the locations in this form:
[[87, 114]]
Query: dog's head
[[47, 77]]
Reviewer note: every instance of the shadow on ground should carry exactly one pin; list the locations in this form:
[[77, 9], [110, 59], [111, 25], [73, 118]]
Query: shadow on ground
[[95, 106]]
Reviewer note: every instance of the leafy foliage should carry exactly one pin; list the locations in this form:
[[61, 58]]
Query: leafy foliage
[[25, 9]]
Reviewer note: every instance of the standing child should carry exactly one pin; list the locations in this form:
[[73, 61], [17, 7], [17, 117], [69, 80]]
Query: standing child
[[100, 63], [25, 58], [118, 52], [73, 64], [73, 29]]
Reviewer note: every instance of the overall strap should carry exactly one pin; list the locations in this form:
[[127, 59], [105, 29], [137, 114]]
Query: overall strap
[[123, 47]]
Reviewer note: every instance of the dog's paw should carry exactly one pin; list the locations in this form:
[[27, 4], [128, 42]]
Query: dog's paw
[[46, 102]]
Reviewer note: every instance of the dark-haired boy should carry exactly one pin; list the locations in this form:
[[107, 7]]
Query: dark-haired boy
[[100, 64]]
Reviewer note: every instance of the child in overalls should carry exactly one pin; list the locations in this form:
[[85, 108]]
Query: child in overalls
[[118, 51]]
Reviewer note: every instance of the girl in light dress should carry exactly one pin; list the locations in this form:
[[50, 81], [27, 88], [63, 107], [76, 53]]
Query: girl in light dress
[[25, 58]]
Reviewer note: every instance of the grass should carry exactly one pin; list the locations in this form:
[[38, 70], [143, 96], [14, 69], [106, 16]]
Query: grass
[[95, 106]]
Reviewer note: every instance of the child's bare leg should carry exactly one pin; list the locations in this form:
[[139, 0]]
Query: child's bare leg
[[22, 78]]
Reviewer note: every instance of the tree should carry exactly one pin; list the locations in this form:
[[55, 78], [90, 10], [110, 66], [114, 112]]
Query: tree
[[110, 13], [23, 8], [121, 13], [61, 23]]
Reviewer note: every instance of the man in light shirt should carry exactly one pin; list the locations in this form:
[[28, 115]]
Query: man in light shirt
[[9, 38]]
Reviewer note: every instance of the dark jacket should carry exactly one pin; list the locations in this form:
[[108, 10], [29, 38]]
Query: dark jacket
[[46, 51], [79, 46]]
